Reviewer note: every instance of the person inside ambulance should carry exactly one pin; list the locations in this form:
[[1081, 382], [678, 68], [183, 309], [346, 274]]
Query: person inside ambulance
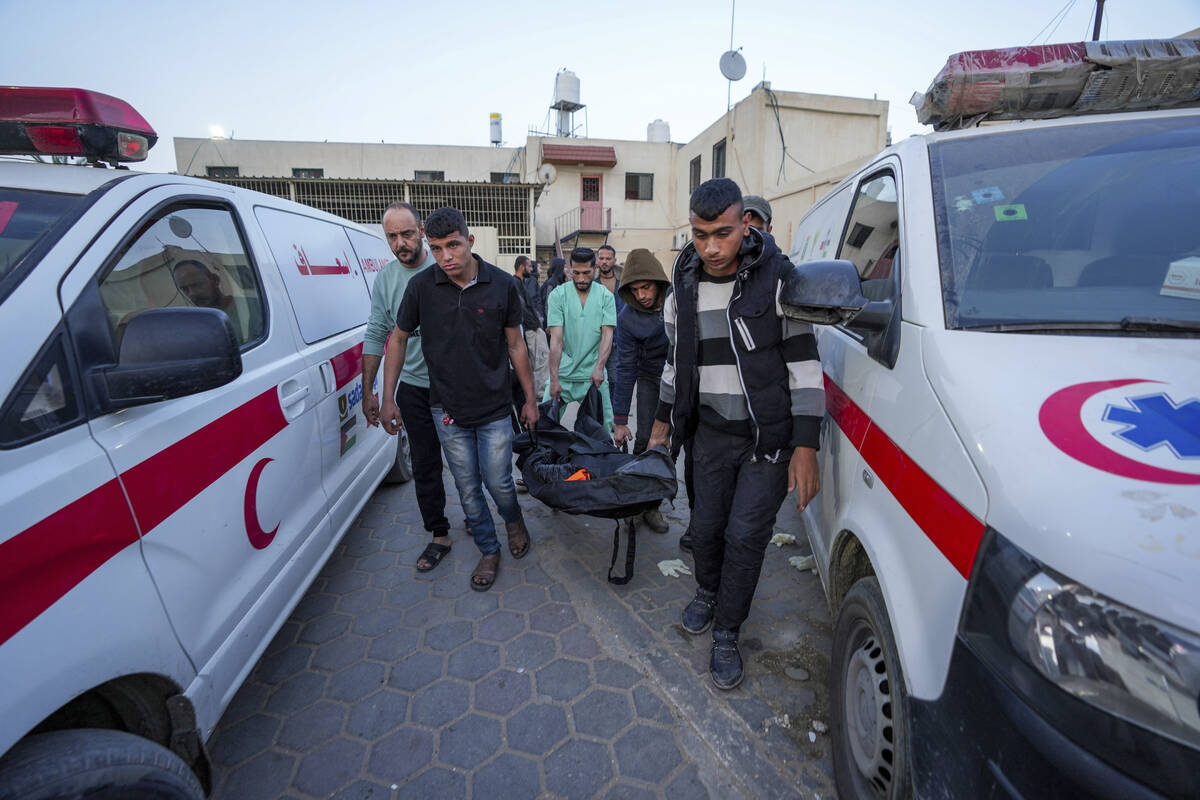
[[202, 286]]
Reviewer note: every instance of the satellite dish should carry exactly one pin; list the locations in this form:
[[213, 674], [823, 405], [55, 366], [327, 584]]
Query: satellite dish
[[733, 66], [547, 173]]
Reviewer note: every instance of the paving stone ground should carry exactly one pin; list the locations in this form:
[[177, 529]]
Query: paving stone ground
[[387, 683]]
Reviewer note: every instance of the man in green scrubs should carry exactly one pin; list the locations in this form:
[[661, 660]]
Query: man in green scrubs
[[580, 315]]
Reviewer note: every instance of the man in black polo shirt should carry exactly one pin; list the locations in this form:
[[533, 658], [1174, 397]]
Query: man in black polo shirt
[[469, 313]]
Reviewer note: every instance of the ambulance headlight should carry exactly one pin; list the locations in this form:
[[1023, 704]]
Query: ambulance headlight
[[1105, 654]]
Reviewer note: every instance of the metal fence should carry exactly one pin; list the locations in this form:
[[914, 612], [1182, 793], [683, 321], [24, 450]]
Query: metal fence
[[503, 206]]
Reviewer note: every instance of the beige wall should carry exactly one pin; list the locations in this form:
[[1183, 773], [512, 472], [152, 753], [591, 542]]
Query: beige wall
[[345, 160]]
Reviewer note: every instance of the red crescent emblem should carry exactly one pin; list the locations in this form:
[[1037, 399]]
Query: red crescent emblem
[[259, 538], [1062, 423]]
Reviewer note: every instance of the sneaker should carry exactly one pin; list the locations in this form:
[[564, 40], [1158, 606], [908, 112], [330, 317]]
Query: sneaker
[[685, 541], [698, 614], [654, 521], [725, 663]]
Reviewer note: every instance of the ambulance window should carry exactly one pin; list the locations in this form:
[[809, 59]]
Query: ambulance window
[[872, 237], [187, 256], [43, 402]]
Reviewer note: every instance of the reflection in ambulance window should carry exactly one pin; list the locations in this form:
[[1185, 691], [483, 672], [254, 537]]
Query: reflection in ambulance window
[[187, 257], [872, 236]]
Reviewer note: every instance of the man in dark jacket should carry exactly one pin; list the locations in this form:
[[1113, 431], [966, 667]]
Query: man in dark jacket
[[746, 383], [554, 278], [641, 353], [532, 322]]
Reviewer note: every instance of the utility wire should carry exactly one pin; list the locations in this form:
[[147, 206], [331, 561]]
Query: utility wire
[[1061, 11], [1060, 20]]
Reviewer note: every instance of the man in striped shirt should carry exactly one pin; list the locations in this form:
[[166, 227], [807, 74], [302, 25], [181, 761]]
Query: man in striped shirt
[[746, 383]]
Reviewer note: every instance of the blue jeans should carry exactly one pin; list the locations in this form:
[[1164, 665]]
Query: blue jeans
[[479, 456]]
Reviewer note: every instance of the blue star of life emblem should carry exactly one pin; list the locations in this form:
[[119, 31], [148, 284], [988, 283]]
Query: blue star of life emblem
[[1155, 420]]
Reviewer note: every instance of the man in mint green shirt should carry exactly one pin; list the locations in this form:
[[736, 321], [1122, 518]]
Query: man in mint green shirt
[[580, 315], [404, 231]]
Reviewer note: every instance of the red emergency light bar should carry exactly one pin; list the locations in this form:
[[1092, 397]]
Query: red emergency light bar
[[1045, 81], [72, 122]]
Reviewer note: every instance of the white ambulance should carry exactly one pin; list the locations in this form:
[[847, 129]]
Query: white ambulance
[[181, 444], [1008, 528]]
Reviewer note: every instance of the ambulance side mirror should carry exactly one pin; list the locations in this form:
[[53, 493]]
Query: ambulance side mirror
[[171, 352], [830, 293]]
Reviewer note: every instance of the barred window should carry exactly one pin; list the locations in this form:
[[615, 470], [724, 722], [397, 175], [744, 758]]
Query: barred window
[[221, 172], [308, 172], [639, 186], [505, 177], [429, 175]]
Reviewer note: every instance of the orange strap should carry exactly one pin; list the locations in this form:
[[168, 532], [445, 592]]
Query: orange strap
[[581, 475]]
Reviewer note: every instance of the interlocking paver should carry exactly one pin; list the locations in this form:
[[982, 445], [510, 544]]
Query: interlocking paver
[[529, 651], [265, 777], [438, 704], [445, 636], [357, 681], [578, 768], [647, 753], [377, 714], [537, 728], [602, 713], [318, 723], [388, 683], [296, 692], [563, 679], [502, 692], [415, 671], [508, 776], [330, 766], [398, 756], [470, 741], [472, 661]]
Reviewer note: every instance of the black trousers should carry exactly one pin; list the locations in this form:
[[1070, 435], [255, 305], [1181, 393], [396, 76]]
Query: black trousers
[[426, 450], [646, 397], [736, 503]]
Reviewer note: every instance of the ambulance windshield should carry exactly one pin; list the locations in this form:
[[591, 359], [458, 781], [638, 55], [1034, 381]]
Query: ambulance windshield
[[1088, 227], [25, 218]]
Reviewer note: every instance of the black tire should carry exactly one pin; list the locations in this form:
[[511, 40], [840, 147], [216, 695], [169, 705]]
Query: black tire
[[401, 471], [868, 702], [95, 764]]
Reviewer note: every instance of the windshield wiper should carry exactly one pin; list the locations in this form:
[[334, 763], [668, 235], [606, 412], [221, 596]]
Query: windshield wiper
[[1159, 324], [1129, 324]]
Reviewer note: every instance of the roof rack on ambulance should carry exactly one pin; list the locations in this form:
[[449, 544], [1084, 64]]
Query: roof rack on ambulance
[[1056, 80], [72, 122]]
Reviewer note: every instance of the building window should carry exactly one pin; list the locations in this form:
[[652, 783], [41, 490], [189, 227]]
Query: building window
[[639, 186], [221, 172], [308, 172], [505, 177], [694, 175], [719, 159], [429, 175]]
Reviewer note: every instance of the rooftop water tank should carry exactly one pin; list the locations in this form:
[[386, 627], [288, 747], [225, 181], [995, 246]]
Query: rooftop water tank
[[658, 131], [494, 128], [566, 90]]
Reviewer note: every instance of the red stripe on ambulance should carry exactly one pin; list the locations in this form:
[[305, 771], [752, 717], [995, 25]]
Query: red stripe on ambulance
[[952, 528]]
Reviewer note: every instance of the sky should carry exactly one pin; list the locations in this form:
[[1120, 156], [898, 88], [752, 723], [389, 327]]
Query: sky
[[432, 72]]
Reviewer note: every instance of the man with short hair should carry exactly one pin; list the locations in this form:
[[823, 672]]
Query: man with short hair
[[757, 212], [609, 276], [746, 383], [581, 315], [403, 230], [531, 321], [200, 284], [469, 312]]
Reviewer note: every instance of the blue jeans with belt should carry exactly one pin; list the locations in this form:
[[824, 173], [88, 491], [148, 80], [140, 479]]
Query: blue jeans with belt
[[479, 456]]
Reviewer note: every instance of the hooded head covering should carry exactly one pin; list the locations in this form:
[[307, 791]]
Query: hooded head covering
[[557, 272], [641, 265]]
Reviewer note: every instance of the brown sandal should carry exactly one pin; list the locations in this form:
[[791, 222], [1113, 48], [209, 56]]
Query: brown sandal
[[485, 572], [518, 538]]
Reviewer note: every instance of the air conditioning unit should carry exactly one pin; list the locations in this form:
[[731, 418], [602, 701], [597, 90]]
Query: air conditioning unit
[[680, 239]]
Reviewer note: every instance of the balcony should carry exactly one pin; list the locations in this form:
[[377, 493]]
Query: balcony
[[583, 226]]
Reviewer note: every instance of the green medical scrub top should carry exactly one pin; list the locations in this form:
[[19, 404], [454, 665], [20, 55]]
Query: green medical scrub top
[[581, 325]]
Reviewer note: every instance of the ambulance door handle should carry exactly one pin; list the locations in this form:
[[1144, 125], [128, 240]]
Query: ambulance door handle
[[291, 397], [328, 379]]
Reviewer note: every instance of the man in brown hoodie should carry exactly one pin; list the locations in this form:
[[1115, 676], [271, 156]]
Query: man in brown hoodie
[[641, 353]]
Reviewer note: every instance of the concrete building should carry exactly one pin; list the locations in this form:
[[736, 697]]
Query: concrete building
[[790, 147]]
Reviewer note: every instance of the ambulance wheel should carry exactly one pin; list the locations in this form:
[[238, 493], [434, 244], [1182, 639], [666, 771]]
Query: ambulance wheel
[[95, 764], [401, 471], [868, 704]]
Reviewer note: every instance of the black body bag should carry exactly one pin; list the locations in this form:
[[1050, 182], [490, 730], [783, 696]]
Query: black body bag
[[618, 485]]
